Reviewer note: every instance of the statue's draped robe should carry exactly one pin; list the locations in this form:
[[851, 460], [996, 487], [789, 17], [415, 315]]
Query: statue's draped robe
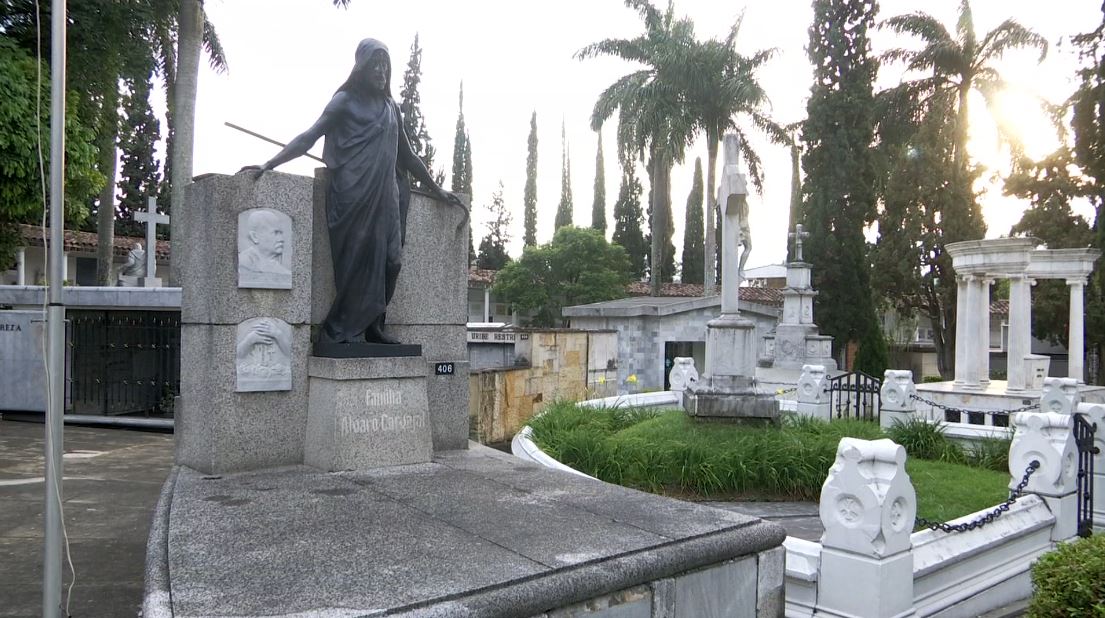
[[363, 212]]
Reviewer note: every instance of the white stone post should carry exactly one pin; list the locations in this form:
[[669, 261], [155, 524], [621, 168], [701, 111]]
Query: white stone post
[[683, 374], [962, 338], [898, 405], [813, 393], [1076, 347], [486, 305], [983, 343], [868, 507], [1020, 331], [21, 266], [64, 268], [1060, 395], [1095, 413], [970, 330], [1048, 438]]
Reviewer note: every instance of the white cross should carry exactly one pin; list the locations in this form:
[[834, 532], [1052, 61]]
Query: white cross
[[151, 218], [798, 234]]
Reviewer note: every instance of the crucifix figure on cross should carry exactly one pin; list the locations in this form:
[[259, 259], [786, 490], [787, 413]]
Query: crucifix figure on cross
[[151, 218], [798, 235]]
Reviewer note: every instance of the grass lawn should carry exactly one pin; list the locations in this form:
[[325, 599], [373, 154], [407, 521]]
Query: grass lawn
[[666, 452]]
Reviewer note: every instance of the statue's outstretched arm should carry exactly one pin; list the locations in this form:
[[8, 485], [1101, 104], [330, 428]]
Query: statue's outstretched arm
[[304, 141]]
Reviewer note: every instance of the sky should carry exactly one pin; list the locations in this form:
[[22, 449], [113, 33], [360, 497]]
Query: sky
[[514, 57]]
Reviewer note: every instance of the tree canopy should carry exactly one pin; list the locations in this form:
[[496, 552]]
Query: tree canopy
[[578, 266]]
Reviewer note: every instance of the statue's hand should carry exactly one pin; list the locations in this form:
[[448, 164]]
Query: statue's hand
[[253, 170]]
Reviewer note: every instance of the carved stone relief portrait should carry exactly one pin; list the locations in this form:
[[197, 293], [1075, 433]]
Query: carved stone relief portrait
[[264, 355], [264, 249]]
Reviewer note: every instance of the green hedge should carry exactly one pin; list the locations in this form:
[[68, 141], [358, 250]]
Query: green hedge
[[1070, 581]]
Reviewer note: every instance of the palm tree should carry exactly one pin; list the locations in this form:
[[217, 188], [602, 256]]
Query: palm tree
[[653, 115], [956, 65], [723, 88]]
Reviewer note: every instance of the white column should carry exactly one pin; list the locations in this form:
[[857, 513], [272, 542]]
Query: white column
[[21, 266], [487, 305], [962, 339], [1076, 349], [64, 268], [1020, 330], [983, 343], [970, 329]]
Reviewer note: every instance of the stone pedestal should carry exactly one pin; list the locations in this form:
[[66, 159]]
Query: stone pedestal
[[366, 413], [243, 386], [728, 390], [796, 341]]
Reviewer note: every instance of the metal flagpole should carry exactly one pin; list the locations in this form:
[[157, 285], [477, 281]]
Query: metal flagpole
[[55, 319]]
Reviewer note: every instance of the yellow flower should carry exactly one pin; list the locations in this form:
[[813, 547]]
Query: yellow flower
[[632, 379], [602, 379]]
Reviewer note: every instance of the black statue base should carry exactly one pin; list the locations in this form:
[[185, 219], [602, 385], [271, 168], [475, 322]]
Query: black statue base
[[363, 349]]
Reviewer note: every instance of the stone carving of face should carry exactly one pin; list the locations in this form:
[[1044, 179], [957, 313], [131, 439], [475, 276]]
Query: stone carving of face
[[267, 235]]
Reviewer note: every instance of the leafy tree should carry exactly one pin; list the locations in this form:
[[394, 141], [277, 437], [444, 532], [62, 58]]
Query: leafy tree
[[628, 219], [411, 107], [564, 210], [462, 153], [22, 183], [1088, 125], [693, 250], [529, 238], [923, 209], [139, 178], [959, 64], [1049, 186], [577, 267], [934, 107], [598, 206], [839, 190], [650, 103], [493, 253]]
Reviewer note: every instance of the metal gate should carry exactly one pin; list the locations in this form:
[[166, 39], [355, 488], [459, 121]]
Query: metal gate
[[1084, 438], [123, 362], [855, 395]]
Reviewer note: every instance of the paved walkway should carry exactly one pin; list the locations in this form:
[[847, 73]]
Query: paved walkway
[[112, 481], [799, 519]]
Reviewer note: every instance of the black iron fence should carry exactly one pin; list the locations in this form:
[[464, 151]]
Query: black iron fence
[[1084, 438], [123, 362], [855, 395]]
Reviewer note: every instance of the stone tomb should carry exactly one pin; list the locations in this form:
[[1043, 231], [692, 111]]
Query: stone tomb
[[256, 277]]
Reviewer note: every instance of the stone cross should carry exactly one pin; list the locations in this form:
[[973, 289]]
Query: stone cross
[[731, 193], [151, 218], [798, 234]]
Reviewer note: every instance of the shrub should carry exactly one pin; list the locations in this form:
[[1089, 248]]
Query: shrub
[[1070, 581], [930, 379], [991, 453], [926, 440]]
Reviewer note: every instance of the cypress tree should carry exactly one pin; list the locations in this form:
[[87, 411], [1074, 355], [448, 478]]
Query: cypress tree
[[598, 207], [564, 210], [694, 255], [462, 154], [414, 123], [839, 190], [139, 178], [627, 221], [529, 238]]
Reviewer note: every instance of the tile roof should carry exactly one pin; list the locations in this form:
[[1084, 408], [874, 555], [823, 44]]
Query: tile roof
[[87, 242]]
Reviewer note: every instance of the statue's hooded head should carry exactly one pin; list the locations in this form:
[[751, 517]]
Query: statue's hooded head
[[371, 68]]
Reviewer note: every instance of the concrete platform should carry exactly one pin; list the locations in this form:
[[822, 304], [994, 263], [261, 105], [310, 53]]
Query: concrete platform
[[474, 533]]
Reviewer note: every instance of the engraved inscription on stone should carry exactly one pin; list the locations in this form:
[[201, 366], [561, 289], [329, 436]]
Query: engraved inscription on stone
[[264, 249], [264, 355]]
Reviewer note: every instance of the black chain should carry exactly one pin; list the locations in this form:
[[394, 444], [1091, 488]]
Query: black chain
[[1024, 408], [982, 520]]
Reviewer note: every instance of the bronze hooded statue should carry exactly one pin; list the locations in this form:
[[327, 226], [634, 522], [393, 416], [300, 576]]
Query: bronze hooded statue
[[369, 156]]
